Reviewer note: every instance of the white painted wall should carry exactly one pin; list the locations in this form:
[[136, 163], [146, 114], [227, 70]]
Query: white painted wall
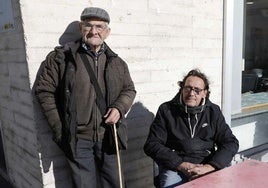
[[160, 40]]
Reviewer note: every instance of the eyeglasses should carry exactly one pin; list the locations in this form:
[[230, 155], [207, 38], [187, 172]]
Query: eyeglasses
[[196, 90], [99, 28]]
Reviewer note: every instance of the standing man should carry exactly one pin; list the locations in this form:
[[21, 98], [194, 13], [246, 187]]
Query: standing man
[[69, 100], [189, 136]]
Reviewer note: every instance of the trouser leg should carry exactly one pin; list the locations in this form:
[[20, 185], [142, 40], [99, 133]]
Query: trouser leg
[[89, 156], [83, 169], [169, 178], [108, 168]]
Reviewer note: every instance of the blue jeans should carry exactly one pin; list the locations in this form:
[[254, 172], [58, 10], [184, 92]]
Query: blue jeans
[[92, 163], [169, 178]]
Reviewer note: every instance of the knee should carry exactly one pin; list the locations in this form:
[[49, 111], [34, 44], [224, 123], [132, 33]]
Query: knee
[[169, 178]]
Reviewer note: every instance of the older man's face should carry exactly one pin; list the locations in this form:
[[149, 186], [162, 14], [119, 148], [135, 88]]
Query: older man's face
[[94, 32], [193, 91]]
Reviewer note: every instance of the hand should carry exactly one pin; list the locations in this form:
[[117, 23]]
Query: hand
[[112, 116], [198, 171], [186, 166]]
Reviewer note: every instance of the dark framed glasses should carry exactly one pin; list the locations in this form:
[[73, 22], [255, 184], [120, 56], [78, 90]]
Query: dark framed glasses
[[196, 90]]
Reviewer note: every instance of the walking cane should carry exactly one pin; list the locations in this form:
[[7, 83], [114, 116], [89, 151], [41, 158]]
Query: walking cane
[[118, 156]]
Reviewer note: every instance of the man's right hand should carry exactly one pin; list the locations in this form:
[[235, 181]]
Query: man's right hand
[[186, 166]]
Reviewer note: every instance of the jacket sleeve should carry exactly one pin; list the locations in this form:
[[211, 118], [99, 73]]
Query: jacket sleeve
[[127, 92], [226, 143], [156, 140], [46, 91]]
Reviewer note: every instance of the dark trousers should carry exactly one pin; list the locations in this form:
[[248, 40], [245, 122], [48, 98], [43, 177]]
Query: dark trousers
[[92, 163]]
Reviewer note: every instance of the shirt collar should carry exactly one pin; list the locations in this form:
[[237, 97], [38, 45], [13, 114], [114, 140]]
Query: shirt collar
[[89, 50]]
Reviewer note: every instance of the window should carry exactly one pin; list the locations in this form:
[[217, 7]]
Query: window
[[255, 73]]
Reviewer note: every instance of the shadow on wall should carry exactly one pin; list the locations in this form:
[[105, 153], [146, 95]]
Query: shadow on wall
[[71, 33], [136, 165], [52, 158]]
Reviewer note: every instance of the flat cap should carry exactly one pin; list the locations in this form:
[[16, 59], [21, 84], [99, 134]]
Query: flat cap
[[95, 12]]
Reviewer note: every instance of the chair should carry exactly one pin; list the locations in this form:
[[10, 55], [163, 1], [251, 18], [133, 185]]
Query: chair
[[249, 81]]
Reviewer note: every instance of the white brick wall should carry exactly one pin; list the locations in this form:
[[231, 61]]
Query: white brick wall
[[160, 40]]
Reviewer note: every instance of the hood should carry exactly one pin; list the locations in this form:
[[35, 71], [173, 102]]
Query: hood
[[188, 109]]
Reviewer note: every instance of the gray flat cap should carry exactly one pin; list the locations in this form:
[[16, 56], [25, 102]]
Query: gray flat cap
[[95, 12]]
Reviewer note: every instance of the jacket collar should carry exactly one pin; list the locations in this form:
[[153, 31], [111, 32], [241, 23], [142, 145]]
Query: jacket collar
[[187, 109], [74, 46]]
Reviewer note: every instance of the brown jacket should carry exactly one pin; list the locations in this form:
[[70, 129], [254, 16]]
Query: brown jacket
[[57, 95]]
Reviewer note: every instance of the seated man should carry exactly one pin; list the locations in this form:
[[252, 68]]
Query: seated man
[[189, 136]]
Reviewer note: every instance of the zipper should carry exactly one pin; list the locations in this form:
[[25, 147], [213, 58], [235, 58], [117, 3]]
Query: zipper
[[96, 108], [192, 130]]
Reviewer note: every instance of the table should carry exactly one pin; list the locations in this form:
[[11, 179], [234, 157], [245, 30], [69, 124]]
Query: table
[[247, 174]]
